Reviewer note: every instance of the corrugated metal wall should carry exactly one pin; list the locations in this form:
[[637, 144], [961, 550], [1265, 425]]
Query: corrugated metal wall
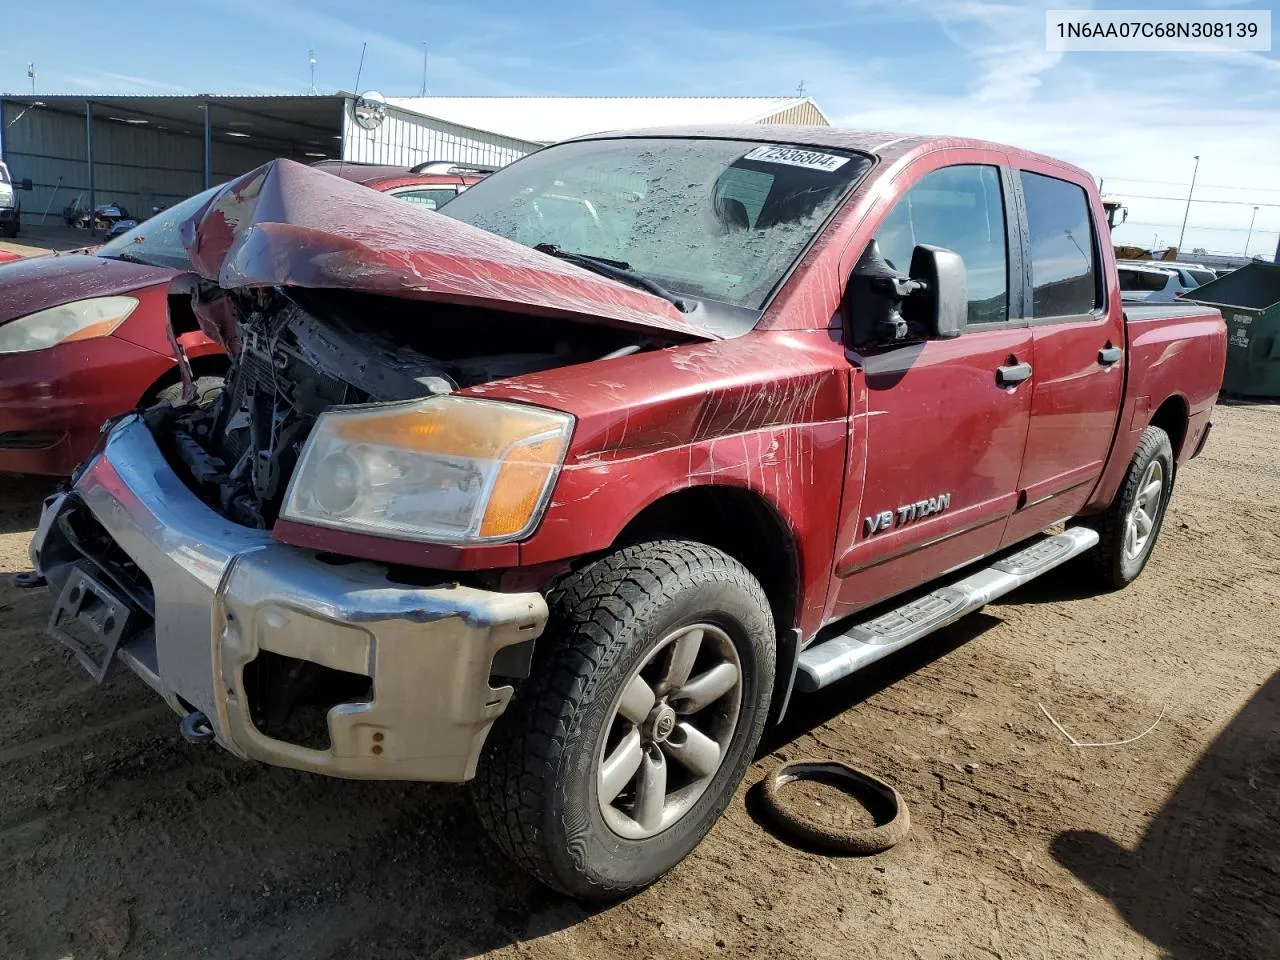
[[806, 113], [405, 139], [133, 165]]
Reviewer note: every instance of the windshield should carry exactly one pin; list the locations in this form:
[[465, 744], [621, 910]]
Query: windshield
[[158, 241], [712, 219]]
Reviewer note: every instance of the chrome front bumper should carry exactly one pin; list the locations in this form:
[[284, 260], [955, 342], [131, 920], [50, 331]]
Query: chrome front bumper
[[222, 593]]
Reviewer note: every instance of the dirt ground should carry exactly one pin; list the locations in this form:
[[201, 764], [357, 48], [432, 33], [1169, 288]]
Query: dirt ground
[[119, 839]]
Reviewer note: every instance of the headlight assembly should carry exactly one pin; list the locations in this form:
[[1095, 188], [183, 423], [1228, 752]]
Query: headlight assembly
[[80, 320], [440, 470]]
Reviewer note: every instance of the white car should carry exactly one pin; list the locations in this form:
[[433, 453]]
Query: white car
[[10, 208], [1149, 284]]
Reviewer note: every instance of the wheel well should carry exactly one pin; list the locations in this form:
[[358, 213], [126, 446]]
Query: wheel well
[[1172, 417], [739, 522], [209, 365]]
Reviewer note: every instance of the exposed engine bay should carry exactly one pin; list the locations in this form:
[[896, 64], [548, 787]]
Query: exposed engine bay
[[303, 351]]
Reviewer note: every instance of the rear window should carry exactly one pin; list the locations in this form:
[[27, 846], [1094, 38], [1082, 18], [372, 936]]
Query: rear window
[[1063, 266], [1203, 276], [432, 198], [4, 173], [1146, 280]]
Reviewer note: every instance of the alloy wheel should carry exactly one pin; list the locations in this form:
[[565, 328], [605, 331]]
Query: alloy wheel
[[1141, 521], [669, 731]]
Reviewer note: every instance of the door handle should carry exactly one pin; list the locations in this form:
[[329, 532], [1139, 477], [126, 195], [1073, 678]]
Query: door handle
[[1109, 355], [1012, 374]]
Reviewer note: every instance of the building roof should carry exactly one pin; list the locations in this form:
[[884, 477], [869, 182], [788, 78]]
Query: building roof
[[550, 119]]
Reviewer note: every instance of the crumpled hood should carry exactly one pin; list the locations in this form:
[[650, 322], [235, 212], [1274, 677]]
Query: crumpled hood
[[38, 283], [285, 224]]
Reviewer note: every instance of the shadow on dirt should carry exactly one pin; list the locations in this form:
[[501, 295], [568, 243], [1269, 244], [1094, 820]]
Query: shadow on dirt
[[808, 711], [1063, 585], [20, 499], [1204, 880], [185, 851]]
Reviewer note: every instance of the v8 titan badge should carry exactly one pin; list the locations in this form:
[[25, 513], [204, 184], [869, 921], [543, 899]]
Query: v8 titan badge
[[906, 513]]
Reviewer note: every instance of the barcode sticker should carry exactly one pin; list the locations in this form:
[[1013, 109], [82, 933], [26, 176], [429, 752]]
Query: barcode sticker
[[795, 157]]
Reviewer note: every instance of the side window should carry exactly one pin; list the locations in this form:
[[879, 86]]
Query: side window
[[1064, 270], [960, 208]]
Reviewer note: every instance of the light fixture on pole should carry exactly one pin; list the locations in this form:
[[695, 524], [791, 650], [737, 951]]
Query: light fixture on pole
[[31, 74], [1188, 213], [1250, 236]]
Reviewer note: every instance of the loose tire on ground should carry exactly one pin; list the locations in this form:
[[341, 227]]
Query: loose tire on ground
[[1114, 563], [893, 821], [541, 778]]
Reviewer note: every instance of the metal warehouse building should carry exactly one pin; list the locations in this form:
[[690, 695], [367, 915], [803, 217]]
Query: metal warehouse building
[[146, 151], [149, 151]]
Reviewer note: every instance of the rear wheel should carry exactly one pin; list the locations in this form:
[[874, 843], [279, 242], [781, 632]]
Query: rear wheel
[[1129, 528], [648, 698]]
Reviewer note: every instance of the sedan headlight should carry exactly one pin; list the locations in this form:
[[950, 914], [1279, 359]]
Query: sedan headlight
[[81, 320], [442, 470]]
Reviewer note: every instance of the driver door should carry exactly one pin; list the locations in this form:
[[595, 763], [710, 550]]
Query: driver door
[[940, 426]]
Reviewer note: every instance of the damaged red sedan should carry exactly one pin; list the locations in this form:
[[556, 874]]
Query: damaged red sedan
[[84, 337], [567, 489]]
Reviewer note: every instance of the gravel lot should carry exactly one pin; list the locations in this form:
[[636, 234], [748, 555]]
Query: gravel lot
[[119, 839]]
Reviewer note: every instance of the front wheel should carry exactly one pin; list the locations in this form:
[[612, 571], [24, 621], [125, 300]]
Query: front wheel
[[648, 697], [1129, 528]]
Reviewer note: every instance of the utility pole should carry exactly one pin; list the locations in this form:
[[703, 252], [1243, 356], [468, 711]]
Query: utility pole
[[311, 55], [424, 69], [1188, 213], [31, 74], [1250, 236]]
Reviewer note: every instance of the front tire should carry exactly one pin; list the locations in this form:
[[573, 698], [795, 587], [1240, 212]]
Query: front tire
[[648, 697], [1129, 528]]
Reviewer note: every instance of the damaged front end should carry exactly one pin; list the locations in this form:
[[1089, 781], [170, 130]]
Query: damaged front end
[[352, 350], [304, 352], [318, 315]]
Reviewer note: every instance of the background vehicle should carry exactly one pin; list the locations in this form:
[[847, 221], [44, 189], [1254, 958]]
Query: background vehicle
[[1193, 274], [7, 256], [585, 518], [1140, 283], [55, 393], [84, 336], [10, 204], [427, 185]]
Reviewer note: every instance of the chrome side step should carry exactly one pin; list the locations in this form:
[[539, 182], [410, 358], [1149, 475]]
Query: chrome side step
[[831, 660]]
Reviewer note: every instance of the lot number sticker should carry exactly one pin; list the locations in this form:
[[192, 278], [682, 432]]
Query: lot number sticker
[[795, 157]]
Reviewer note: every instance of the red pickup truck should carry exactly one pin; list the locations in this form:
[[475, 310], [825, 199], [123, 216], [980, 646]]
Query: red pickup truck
[[566, 489]]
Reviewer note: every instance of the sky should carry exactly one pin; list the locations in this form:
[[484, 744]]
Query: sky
[[965, 67]]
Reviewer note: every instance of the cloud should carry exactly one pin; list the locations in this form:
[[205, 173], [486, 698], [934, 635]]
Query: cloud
[[100, 81]]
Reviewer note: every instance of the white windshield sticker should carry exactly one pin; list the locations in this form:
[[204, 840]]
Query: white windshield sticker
[[795, 157]]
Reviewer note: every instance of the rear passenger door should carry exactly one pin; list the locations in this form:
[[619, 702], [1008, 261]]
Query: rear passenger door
[[1078, 331]]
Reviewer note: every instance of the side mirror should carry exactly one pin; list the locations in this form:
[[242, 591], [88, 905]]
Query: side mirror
[[944, 302], [884, 306], [873, 300], [26, 184]]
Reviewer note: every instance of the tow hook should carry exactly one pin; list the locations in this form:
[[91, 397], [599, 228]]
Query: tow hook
[[195, 728]]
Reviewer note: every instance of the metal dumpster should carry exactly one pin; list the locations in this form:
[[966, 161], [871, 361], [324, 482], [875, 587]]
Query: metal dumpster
[[1249, 299]]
